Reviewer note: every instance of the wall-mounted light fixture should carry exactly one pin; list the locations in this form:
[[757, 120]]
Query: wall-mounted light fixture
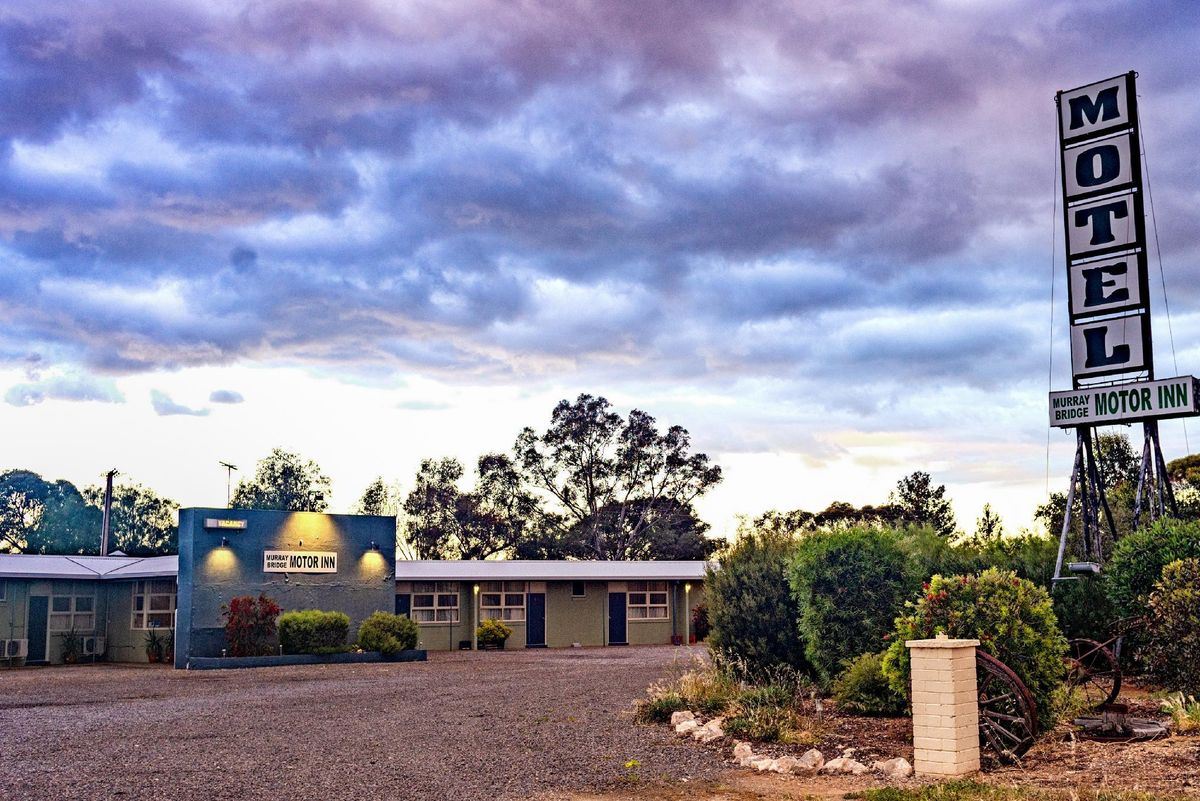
[[224, 542], [374, 546]]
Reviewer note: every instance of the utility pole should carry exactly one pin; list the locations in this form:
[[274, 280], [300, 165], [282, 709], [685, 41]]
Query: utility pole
[[229, 468], [107, 518]]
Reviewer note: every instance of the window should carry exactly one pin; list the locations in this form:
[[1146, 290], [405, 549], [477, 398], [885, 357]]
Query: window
[[3, 590], [648, 600], [72, 612], [502, 600], [154, 604], [577, 589], [435, 601]]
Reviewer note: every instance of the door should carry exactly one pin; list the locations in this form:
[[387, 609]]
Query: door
[[35, 627], [616, 619], [535, 621], [404, 605]]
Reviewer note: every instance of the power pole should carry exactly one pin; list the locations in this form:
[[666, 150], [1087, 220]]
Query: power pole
[[107, 518], [229, 468]]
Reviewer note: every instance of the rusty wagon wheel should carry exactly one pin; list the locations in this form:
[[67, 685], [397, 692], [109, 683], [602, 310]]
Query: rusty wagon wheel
[[1007, 711], [1094, 671]]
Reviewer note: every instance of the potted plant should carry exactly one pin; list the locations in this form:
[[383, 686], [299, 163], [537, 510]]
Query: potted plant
[[154, 646], [168, 646], [491, 635], [72, 646]]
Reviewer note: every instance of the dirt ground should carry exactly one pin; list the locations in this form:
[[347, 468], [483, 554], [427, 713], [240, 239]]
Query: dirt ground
[[545, 725]]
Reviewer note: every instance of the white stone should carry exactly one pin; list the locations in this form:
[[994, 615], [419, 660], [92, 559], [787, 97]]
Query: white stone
[[845, 765], [680, 717], [855, 767], [710, 731], [763, 763], [810, 761], [785, 764], [741, 750], [897, 768], [687, 727]]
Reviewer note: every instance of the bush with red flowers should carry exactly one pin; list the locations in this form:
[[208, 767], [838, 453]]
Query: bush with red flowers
[[1012, 618], [250, 625]]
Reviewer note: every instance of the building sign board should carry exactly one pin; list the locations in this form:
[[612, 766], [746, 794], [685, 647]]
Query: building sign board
[[223, 524], [300, 561], [1123, 403], [1103, 217]]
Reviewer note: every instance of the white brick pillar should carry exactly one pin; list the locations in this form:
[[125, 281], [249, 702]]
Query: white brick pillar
[[945, 706]]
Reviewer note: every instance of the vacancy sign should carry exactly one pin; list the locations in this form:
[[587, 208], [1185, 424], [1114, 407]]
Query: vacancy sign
[[1105, 239]]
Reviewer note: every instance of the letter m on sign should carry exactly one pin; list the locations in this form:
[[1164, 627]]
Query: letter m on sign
[[1097, 107]]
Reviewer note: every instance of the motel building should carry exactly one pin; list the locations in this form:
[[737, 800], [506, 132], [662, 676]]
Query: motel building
[[345, 563]]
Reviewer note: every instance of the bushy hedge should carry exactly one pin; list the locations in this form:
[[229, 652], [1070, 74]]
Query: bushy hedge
[[863, 689], [387, 633], [492, 632], [1139, 558], [1011, 617], [848, 586], [1175, 627], [750, 607], [312, 631]]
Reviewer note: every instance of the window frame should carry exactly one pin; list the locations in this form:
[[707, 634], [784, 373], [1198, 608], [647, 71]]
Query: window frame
[[72, 612], [145, 612], [437, 591], [647, 589], [505, 612], [3, 590], [582, 589]]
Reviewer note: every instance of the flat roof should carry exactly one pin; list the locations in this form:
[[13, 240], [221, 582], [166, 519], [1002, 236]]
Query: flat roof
[[55, 566], [547, 570]]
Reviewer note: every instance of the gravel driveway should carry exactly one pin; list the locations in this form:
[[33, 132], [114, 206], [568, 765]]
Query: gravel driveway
[[463, 726]]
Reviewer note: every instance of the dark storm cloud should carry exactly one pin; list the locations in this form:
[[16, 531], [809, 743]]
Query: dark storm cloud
[[485, 188]]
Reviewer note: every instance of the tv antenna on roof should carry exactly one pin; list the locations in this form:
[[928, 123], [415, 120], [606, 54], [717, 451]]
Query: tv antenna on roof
[[106, 519], [229, 468]]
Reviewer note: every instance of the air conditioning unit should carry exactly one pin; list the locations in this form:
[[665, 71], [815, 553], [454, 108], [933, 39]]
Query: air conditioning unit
[[93, 646], [15, 649]]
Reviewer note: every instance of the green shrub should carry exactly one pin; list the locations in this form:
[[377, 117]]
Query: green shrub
[[750, 607], [492, 632], [387, 633], [700, 625], [1184, 711], [1011, 617], [862, 689], [312, 631], [848, 585], [659, 708], [1139, 558], [1175, 627], [769, 713]]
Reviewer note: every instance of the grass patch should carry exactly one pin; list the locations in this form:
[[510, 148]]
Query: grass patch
[[1184, 711], [974, 791]]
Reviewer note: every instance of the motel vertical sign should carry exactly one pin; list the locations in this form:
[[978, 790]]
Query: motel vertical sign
[[1105, 231]]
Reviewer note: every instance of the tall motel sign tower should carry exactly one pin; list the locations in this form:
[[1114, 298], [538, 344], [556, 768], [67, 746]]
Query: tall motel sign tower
[[1112, 357]]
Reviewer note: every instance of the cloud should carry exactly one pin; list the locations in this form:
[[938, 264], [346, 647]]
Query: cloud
[[70, 387], [225, 396], [164, 406]]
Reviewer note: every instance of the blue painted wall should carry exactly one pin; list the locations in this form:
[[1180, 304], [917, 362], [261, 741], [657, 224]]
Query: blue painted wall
[[210, 574]]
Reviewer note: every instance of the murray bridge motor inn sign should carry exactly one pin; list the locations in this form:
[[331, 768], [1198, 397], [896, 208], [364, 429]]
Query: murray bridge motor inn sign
[[1108, 297]]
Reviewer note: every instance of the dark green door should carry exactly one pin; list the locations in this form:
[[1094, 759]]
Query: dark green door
[[35, 626], [535, 623]]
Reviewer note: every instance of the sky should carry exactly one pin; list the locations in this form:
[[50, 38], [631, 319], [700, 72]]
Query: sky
[[820, 236]]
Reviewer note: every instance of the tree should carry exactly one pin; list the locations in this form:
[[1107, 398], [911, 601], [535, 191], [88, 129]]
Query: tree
[[1118, 463], [672, 531], [923, 504], [378, 499], [285, 481], [39, 516], [609, 476], [989, 527], [141, 523], [445, 523]]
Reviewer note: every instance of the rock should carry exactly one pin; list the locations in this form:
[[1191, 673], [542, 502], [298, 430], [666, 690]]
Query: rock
[[763, 763], [785, 764], [710, 731], [741, 750], [687, 727], [680, 717], [897, 768], [845, 765], [810, 762]]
